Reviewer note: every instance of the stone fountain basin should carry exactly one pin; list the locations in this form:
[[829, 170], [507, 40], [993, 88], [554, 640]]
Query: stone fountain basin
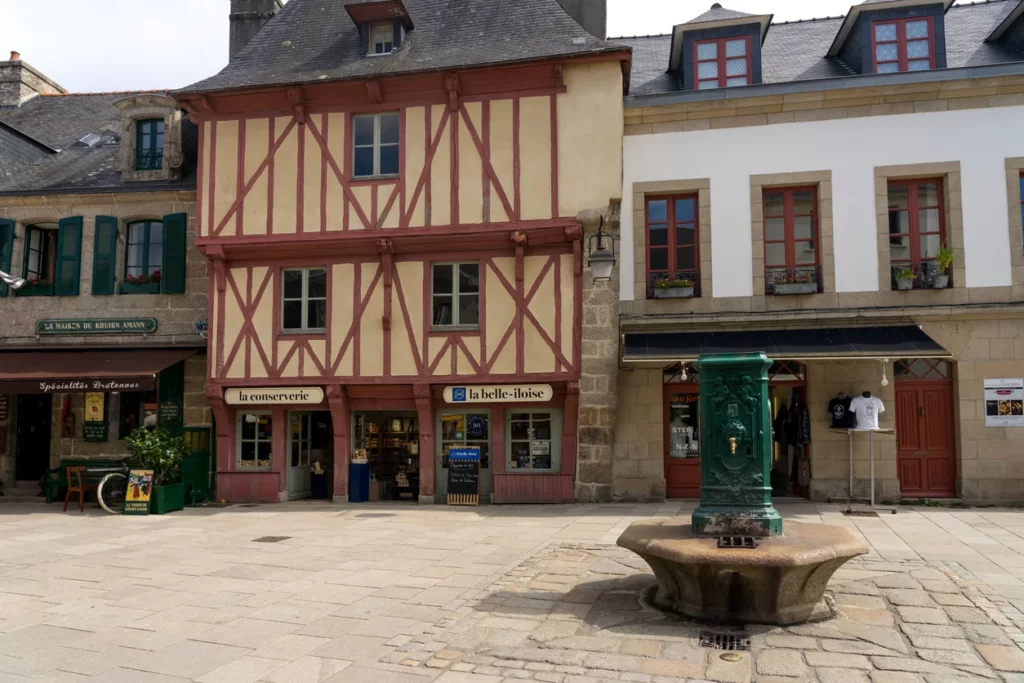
[[781, 582]]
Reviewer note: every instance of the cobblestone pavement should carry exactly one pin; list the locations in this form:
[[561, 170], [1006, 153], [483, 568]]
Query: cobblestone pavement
[[375, 594]]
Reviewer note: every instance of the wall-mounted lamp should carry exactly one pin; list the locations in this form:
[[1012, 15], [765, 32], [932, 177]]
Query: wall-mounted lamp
[[885, 364], [602, 259]]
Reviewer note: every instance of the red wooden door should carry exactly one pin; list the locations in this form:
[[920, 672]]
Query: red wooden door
[[925, 456], [682, 441]]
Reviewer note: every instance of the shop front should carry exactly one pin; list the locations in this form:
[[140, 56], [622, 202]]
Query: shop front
[[853, 410], [80, 405], [391, 443]]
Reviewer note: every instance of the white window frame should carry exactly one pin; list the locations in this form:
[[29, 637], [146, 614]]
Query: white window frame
[[377, 29], [377, 145], [305, 329], [455, 294], [239, 440], [555, 416]]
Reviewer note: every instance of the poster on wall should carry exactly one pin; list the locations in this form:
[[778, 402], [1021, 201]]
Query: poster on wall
[[94, 429], [1004, 403]]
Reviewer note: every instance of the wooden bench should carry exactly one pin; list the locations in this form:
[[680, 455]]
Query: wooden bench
[[56, 477]]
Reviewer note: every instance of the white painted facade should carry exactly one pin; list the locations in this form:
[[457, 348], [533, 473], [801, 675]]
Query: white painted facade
[[980, 139]]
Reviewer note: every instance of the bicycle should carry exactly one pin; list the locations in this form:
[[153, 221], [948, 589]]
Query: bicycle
[[113, 488]]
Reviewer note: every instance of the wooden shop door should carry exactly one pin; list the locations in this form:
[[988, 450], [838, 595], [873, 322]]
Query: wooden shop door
[[926, 452], [682, 441]]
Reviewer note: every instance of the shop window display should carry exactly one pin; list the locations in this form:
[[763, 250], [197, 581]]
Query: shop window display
[[255, 435], [459, 430], [137, 409], [684, 426], [533, 440]]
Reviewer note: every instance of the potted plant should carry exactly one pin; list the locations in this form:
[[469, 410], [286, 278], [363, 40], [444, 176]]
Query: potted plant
[[141, 284], [904, 277], [797, 283], [943, 260], [157, 450], [674, 289], [36, 286]]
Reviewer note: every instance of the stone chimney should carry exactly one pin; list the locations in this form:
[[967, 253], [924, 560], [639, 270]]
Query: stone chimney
[[592, 15], [20, 82], [247, 18]]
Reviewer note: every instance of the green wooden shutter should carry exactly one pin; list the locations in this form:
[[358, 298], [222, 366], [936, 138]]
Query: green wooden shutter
[[171, 399], [6, 249], [175, 245], [104, 256], [69, 256]]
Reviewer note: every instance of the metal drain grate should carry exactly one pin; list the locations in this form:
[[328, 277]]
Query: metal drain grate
[[860, 513], [724, 641], [270, 539], [738, 542], [375, 515]]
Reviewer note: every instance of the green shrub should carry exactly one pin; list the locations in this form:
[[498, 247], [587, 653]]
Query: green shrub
[[157, 450]]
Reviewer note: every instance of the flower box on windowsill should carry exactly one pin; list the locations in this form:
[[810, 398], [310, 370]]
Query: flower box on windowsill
[[784, 288], [904, 284], [940, 281], [36, 289], [136, 288], [673, 292]]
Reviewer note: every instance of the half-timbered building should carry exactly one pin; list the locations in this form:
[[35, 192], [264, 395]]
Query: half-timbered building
[[391, 198]]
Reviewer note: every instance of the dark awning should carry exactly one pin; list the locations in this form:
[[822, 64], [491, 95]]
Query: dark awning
[[50, 372], [801, 344]]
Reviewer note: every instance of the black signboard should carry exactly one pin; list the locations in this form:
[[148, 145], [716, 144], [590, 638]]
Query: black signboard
[[464, 476]]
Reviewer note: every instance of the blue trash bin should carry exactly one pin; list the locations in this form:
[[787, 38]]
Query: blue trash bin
[[359, 482]]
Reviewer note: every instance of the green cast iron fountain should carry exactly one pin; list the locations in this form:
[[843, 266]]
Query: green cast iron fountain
[[734, 564]]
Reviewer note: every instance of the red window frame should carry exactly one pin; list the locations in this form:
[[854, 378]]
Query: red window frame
[[901, 61], [914, 209], [789, 214], [671, 224], [722, 79]]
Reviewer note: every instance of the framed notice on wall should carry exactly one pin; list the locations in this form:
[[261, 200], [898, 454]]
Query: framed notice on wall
[[94, 429], [1004, 403]]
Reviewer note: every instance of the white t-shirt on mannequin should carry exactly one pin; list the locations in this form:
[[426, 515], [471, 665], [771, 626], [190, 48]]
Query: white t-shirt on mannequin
[[867, 411]]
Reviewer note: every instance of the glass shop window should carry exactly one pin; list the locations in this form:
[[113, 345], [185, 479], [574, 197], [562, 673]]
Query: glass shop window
[[534, 440]]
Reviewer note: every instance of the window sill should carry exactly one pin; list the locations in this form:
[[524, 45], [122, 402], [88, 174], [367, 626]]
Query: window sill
[[302, 333], [469, 330], [374, 180], [133, 288], [241, 469]]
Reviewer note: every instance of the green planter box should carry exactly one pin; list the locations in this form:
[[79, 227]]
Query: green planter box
[[131, 288], [167, 499], [35, 290]]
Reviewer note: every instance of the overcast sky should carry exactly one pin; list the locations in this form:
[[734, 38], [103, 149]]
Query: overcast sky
[[104, 45]]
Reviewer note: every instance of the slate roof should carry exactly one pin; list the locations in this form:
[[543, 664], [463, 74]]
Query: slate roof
[[795, 51], [718, 13], [316, 40], [58, 122]]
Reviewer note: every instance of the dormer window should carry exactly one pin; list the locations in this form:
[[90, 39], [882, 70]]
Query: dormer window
[[382, 39], [149, 145], [722, 63], [903, 45]]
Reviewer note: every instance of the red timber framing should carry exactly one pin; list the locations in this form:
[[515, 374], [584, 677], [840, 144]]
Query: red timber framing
[[376, 239]]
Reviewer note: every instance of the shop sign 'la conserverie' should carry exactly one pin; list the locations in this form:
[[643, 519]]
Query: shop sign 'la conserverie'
[[274, 396], [501, 393]]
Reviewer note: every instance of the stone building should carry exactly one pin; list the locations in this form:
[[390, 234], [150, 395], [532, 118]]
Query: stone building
[[97, 215], [845, 195]]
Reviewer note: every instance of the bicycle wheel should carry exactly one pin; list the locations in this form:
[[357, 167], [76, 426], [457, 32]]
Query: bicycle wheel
[[112, 491]]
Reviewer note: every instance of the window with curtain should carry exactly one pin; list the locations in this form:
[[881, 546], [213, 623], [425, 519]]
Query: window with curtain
[[722, 63], [791, 249], [145, 252], [903, 45], [382, 39]]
